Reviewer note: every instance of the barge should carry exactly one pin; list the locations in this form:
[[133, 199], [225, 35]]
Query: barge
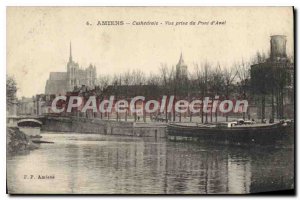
[[233, 132]]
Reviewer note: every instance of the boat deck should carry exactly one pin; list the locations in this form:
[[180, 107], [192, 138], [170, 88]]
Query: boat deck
[[214, 124]]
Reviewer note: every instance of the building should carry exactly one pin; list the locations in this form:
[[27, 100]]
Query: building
[[26, 106], [273, 83], [61, 82]]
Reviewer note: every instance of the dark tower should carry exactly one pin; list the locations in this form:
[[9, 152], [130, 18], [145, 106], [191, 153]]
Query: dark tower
[[278, 47]]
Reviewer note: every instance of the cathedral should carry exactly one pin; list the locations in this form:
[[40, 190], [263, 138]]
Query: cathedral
[[62, 82]]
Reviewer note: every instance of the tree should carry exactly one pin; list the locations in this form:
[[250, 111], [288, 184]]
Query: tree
[[166, 75], [229, 75], [101, 88], [11, 90], [202, 83], [216, 85], [259, 58], [103, 82], [243, 77]]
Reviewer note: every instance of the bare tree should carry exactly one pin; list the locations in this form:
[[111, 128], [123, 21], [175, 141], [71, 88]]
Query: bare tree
[[102, 85], [11, 90], [202, 83], [243, 77], [229, 75], [154, 79], [259, 57], [216, 85], [167, 81], [103, 82], [138, 77]]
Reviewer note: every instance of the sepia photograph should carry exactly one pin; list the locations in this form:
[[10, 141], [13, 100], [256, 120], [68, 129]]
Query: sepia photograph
[[150, 100]]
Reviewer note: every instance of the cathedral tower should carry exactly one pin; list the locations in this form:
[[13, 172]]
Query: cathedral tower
[[181, 67]]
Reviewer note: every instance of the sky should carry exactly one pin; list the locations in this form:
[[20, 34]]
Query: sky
[[38, 38]]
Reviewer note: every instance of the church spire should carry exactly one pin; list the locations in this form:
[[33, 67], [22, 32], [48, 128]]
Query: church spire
[[70, 58], [181, 62]]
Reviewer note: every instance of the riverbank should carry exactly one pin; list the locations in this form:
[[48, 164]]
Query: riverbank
[[18, 142]]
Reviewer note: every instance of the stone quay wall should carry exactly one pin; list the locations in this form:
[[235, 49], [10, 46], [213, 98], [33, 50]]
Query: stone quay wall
[[105, 127]]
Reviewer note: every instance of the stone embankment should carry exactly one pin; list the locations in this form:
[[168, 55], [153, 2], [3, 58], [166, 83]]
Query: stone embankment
[[106, 127]]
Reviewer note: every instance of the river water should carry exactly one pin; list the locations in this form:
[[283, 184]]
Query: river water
[[90, 163]]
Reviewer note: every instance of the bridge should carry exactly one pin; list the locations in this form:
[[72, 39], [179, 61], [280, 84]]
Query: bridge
[[12, 120]]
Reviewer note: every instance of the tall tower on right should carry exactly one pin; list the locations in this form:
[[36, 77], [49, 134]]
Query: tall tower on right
[[278, 48], [272, 82]]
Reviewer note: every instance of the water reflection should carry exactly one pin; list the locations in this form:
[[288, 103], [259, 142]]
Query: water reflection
[[120, 165]]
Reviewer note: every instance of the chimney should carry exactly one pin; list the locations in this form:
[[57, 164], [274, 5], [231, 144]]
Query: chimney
[[278, 47]]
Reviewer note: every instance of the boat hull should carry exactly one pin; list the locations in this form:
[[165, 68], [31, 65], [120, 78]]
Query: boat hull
[[240, 135]]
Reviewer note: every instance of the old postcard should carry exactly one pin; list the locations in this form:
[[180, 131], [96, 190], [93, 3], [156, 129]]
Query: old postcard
[[150, 100]]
